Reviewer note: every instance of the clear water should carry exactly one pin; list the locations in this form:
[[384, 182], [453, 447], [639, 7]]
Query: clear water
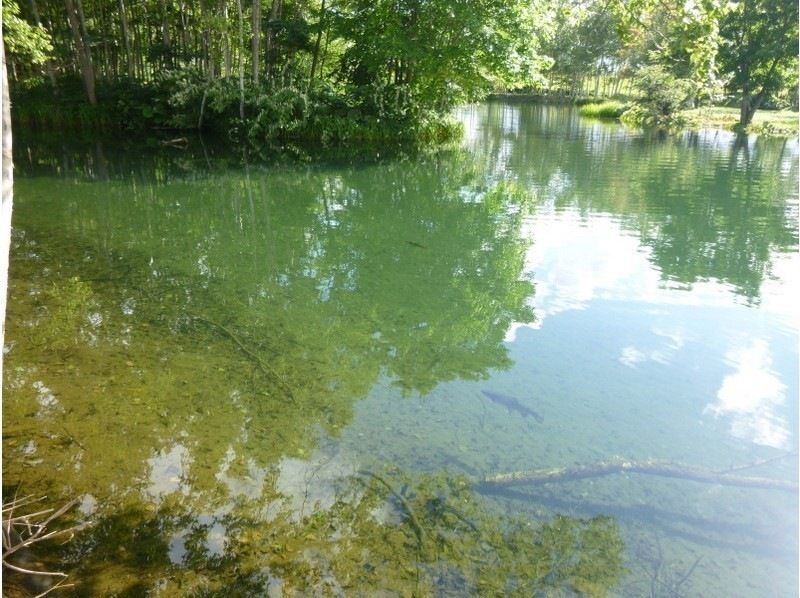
[[271, 377]]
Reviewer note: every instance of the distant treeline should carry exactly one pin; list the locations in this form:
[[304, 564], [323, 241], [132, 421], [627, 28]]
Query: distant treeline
[[339, 69]]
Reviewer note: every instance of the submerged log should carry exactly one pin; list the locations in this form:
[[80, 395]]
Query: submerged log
[[656, 468], [179, 142]]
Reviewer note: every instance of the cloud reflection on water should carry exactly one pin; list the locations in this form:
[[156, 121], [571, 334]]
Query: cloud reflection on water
[[751, 395]]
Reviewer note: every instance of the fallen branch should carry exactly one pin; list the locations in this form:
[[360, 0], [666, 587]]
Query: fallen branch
[[655, 468]]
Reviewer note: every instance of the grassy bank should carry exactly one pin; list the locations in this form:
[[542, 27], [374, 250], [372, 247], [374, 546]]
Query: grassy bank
[[607, 109], [773, 123]]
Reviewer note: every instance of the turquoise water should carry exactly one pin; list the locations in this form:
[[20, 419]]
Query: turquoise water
[[211, 350]]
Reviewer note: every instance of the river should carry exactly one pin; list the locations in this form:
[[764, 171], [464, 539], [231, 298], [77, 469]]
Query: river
[[286, 374]]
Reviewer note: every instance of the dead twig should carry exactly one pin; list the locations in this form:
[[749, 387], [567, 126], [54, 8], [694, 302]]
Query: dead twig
[[22, 530]]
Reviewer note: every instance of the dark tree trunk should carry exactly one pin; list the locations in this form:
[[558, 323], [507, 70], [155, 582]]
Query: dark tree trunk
[[82, 52], [317, 42], [750, 103], [274, 14], [48, 66], [257, 40]]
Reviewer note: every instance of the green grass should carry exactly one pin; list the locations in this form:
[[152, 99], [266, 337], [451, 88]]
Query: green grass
[[772, 123], [607, 109]]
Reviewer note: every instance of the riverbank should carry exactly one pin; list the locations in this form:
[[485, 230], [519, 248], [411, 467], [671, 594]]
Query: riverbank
[[768, 123], [319, 113], [771, 123]]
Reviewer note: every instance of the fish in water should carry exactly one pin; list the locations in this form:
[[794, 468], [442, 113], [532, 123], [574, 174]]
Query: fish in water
[[512, 405]]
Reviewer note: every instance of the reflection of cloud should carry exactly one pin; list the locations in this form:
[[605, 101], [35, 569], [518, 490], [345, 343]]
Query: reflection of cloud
[[750, 395], [168, 472], [779, 291], [310, 485], [575, 259], [249, 483], [631, 356]]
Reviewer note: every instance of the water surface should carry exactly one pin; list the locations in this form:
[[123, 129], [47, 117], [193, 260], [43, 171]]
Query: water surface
[[277, 377]]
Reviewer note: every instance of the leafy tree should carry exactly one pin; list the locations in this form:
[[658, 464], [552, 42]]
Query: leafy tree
[[582, 41], [662, 97], [760, 50], [27, 45], [681, 37], [433, 54]]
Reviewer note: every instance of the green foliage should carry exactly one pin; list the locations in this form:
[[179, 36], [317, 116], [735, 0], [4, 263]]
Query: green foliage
[[376, 69], [607, 109], [581, 41], [760, 51], [24, 42], [681, 37], [662, 97], [279, 115], [406, 56]]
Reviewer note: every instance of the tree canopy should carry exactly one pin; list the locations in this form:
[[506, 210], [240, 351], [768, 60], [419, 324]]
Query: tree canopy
[[319, 67]]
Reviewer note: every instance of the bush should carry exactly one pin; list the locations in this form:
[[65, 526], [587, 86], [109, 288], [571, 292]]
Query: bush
[[186, 99], [662, 95]]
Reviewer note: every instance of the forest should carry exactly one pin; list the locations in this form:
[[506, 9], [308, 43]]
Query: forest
[[334, 70]]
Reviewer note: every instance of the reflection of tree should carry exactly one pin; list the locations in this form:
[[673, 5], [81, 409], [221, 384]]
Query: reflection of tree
[[709, 209], [156, 329]]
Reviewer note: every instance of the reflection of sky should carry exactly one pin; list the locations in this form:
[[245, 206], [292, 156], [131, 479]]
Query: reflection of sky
[[305, 485], [575, 259], [168, 469], [310, 485], [750, 396]]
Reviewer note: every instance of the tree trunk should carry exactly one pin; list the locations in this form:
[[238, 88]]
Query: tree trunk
[[7, 176], [324, 52], [317, 42], [226, 43], [257, 40], [166, 38], [241, 59], [750, 103], [126, 38], [82, 51], [654, 468], [274, 13]]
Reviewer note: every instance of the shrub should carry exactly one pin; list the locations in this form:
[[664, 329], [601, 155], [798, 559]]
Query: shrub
[[662, 95], [607, 109]]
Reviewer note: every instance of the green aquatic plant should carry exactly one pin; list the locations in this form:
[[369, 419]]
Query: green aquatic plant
[[380, 531], [66, 306]]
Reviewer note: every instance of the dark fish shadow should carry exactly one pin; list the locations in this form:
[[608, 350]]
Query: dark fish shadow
[[512, 404]]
